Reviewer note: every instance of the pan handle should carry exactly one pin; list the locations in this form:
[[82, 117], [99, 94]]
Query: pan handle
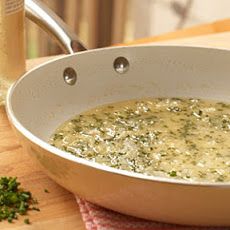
[[39, 13]]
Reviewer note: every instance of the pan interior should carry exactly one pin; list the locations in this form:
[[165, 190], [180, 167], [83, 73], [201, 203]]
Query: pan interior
[[41, 100]]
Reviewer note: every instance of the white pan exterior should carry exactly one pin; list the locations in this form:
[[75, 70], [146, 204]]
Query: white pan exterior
[[41, 100]]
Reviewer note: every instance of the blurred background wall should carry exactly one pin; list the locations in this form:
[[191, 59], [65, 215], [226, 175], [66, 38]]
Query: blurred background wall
[[100, 23]]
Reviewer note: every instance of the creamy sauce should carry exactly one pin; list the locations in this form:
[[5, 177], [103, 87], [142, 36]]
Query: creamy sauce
[[170, 137]]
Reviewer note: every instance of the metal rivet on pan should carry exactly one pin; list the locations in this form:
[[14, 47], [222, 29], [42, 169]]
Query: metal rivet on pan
[[121, 65], [70, 76]]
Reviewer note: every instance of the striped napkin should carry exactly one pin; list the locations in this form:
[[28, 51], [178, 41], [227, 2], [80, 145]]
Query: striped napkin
[[98, 218]]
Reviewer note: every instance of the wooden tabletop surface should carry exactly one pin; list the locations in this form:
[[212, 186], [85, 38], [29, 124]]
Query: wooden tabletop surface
[[59, 209]]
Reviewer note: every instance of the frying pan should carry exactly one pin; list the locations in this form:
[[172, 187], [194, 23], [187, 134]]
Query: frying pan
[[55, 91]]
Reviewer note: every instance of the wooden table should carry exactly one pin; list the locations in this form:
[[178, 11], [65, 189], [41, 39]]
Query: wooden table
[[58, 207]]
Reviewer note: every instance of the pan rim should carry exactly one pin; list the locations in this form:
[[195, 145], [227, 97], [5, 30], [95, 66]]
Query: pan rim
[[51, 149]]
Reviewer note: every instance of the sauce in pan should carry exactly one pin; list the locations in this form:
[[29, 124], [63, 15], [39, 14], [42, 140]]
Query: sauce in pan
[[170, 137]]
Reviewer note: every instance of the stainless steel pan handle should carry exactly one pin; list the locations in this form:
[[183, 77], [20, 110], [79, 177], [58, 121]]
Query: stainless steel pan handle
[[39, 13]]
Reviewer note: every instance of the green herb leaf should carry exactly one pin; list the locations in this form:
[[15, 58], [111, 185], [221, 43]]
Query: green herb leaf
[[13, 199], [26, 221], [173, 173]]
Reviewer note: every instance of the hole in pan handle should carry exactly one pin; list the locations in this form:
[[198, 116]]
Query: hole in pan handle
[[39, 13]]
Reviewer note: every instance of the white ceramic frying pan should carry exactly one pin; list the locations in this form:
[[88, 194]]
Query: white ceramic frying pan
[[53, 92]]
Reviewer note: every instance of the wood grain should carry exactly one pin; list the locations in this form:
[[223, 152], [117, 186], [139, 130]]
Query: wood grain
[[204, 30], [59, 209]]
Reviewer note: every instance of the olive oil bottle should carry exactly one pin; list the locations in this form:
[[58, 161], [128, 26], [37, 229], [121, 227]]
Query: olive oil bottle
[[12, 55]]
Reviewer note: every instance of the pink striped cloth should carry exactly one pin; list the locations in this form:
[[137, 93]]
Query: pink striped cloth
[[98, 218]]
